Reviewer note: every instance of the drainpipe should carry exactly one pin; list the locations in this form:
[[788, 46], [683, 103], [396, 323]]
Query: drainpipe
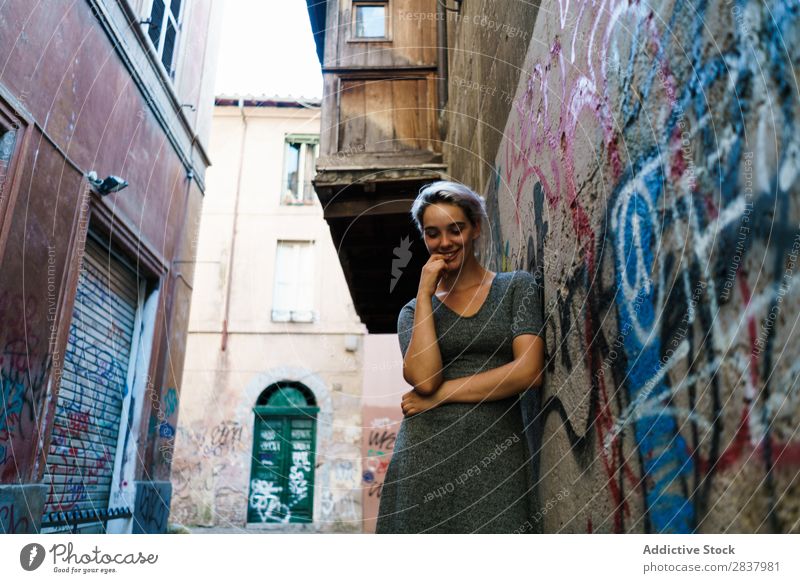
[[441, 66], [229, 278]]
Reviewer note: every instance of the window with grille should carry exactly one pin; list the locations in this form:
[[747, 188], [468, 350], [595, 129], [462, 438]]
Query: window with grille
[[300, 155], [163, 31], [293, 294]]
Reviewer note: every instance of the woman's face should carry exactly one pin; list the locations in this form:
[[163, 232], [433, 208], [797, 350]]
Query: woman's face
[[447, 231]]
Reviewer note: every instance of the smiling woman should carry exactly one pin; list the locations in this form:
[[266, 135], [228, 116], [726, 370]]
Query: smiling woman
[[472, 344]]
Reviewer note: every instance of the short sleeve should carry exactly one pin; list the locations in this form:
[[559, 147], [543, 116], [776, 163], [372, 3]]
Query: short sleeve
[[405, 324], [527, 317]]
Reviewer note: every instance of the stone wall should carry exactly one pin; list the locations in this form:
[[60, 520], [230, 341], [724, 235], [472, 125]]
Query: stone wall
[[487, 43], [648, 174]]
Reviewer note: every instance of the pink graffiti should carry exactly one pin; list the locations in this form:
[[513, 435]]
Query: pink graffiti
[[541, 148]]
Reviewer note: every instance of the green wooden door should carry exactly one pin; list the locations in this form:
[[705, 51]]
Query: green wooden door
[[282, 474]]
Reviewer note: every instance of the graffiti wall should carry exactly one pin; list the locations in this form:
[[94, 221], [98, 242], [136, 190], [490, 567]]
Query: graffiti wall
[[648, 176], [381, 425], [151, 509], [203, 470], [295, 474]]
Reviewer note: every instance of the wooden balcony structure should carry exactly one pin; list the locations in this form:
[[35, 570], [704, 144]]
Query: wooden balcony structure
[[381, 141]]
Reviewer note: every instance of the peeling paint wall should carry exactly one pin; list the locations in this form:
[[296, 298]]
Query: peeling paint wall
[[648, 174]]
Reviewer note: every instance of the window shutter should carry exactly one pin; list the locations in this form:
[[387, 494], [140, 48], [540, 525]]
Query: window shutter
[[293, 296], [282, 294], [305, 283], [310, 171]]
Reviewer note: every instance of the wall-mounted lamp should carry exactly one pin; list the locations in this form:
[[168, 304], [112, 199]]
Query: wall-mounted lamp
[[108, 185]]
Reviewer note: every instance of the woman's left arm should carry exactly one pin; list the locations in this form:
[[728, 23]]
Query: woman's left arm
[[524, 372]]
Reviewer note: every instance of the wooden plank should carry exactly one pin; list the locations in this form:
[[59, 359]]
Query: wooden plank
[[430, 34], [435, 143], [421, 28], [336, 31], [423, 105], [348, 52], [377, 54], [352, 121], [407, 115], [403, 32], [329, 130], [362, 207], [379, 118]]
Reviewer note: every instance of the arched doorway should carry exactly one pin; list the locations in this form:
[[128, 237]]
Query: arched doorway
[[282, 464]]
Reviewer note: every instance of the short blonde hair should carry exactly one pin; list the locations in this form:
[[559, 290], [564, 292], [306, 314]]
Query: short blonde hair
[[465, 198]]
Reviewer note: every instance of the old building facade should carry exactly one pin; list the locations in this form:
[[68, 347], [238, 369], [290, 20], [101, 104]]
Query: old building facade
[[97, 274], [641, 161], [270, 430]]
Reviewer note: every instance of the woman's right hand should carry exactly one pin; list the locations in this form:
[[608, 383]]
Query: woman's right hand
[[432, 272]]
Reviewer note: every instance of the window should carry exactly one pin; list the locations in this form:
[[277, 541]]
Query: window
[[282, 466], [8, 138], [293, 295], [370, 20], [298, 169], [163, 31]]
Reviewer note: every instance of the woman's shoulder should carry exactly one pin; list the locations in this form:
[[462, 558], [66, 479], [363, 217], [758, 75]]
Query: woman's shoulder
[[518, 277], [409, 307]]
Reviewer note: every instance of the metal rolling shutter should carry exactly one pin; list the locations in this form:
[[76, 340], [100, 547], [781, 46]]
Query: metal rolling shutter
[[80, 461]]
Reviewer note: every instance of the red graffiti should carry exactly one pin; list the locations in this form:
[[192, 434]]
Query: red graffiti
[[10, 524], [78, 423], [541, 148]]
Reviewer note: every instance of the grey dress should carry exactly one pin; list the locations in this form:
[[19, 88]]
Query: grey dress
[[465, 467]]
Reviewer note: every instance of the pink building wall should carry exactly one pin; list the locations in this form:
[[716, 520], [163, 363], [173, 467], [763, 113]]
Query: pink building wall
[[382, 390]]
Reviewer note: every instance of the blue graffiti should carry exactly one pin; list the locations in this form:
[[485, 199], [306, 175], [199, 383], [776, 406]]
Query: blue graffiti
[[640, 216], [12, 392], [664, 452], [166, 430], [170, 402]]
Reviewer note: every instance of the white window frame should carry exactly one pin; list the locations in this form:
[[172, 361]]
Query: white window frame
[[303, 275], [177, 20], [298, 198]]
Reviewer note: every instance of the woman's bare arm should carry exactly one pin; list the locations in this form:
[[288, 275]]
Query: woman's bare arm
[[524, 372], [422, 365]]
